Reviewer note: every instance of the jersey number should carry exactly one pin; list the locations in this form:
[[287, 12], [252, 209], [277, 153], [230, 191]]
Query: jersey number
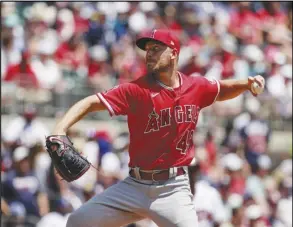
[[185, 141]]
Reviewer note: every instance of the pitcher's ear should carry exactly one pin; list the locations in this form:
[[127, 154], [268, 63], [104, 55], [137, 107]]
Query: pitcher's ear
[[174, 54]]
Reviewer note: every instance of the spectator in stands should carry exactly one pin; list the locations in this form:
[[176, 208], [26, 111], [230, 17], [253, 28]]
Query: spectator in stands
[[284, 206], [39, 26], [109, 172], [10, 55], [210, 152], [21, 186], [40, 164], [127, 65], [26, 128], [73, 55], [8, 144], [236, 209], [209, 205], [254, 217], [233, 166], [58, 217], [96, 30], [104, 141], [191, 65], [120, 147], [85, 184], [22, 73], [255, 135], [223, 188], [45, 68], [81, 24], [99, 71], [121, 22], [271, 14], [59, 189], [5, 207], [255, 183], [244, 24]]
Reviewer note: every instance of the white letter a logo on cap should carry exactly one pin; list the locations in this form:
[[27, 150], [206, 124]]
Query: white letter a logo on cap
[[153, 33]]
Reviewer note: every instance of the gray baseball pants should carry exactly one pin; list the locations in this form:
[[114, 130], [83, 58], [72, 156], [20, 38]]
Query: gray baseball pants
[[167, 203]]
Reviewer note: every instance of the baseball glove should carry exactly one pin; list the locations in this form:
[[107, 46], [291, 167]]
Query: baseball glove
[[66, 159]]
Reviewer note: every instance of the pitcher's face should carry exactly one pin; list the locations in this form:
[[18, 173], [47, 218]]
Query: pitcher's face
[[159, 57]]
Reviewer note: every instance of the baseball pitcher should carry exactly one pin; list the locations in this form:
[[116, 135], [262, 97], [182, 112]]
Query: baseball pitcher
[[162, 109]]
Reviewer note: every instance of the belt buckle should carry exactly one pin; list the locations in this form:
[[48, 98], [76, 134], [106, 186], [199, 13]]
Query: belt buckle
[[153, 173]]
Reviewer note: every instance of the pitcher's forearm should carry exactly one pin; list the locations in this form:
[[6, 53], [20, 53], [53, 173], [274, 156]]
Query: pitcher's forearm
[[230, 89], [77, 112], [73, 115]]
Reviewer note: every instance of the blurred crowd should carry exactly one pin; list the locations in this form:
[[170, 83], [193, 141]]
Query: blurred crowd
[[54, 47], [63, 46], [235, 182]]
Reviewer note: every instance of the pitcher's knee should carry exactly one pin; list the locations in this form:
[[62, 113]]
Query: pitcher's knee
[[83, 217], [73, 220]]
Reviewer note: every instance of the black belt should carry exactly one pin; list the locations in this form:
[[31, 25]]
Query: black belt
[[156, 175]]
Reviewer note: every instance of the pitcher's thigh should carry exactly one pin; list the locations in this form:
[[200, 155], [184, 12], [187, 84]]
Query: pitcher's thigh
[[174, 210], [178, 219], [98, 215]]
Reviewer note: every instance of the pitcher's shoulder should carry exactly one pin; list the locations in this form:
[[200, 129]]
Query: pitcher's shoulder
[[198, 79], [190, 79]]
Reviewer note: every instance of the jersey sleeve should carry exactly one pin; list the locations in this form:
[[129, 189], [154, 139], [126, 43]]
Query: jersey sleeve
[[118, 100], [210, 89]]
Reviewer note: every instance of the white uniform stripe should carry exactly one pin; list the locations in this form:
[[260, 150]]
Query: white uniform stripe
[[170, 88], [153, 34], [164, 86], [218, 85], [107, 104]]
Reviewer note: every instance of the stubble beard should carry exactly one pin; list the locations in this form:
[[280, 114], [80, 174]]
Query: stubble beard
[[158, 69]]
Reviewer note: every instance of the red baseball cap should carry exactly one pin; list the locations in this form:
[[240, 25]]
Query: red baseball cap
[[160, 35]]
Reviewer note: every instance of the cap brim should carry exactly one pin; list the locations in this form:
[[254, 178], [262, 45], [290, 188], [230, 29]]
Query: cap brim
[[141, 43]]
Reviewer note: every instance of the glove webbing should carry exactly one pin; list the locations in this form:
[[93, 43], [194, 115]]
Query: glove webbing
[[77, 160]]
